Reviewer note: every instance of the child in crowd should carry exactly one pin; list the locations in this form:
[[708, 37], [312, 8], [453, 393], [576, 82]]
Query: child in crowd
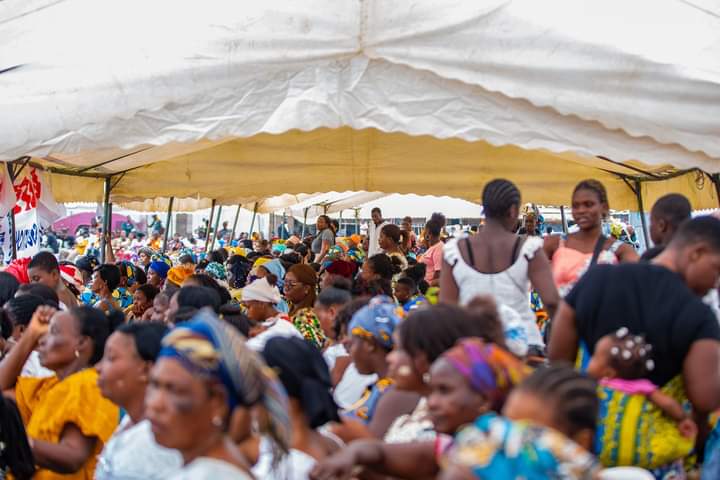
[[621, 361], [407, 294]]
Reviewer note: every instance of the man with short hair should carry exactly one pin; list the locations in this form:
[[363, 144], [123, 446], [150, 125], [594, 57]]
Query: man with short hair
[[660, 300], [665, 218], [44, 269], [374, 228]]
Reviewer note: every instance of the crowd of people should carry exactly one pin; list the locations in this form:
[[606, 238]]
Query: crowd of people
[[498, 354]]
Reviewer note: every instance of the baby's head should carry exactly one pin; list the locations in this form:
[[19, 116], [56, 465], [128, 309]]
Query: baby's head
[[621, 355]]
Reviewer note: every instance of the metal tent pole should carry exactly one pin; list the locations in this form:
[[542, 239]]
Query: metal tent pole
[[716, 180], [237, 216], [11, 214], [217, 224], [305, 214], [168, 219], [209, 224], [252, 223], [107, 186], [641, 210], [563, 219]]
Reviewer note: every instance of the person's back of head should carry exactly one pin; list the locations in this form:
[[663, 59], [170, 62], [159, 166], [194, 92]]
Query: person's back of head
[[668, 213], [570, 397], [343, 317], [199, 297], [150, 292], [98, 326], [501, 200], [147, 337], [437, 328], [382, 265], [8, 287], [333, 296], [234, 315], [207, 281], [21, 309], [433, 228], [46, 293], [392, 232], [695, 249]]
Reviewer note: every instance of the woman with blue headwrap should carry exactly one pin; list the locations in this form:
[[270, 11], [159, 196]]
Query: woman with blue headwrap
[[204, 373], [371, 339]]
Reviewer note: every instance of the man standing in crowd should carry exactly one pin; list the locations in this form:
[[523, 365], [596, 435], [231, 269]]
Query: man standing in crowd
[[665, 218], [374, 229]]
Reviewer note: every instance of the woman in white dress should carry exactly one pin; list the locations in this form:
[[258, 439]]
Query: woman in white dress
[[499, 263], [123, 375], [204, 375]]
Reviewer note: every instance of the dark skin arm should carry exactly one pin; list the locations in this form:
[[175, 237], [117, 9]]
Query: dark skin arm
[[668, 405], [551, 244], [540, 274], [393, 404], [341, 364], [449, 292], [410, 460], [701, 372], [67, 456], [627, 254], [564, 339]]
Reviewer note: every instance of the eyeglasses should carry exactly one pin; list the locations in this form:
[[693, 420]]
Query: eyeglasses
[[290, 284]]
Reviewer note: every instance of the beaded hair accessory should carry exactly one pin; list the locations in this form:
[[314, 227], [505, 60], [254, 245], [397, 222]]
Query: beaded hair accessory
[[629, 346]]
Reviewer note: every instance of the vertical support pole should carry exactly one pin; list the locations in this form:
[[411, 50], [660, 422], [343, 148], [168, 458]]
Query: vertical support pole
[[107, 186], [168, 219], [207, 233], [215, 230], [11, 215], [357, 221], [563, 219], [305, 214], [641, 210], [716, 180], [237, 216], [252, 223]]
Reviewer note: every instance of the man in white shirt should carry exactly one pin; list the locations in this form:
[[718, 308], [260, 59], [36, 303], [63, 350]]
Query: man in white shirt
[[374, 229]]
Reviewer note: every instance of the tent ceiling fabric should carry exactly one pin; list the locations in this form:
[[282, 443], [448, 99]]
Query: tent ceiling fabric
[[251, 169], [390, 95]]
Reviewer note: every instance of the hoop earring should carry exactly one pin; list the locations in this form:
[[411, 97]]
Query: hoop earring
[[77, 354], [217, 421], [426, 377]]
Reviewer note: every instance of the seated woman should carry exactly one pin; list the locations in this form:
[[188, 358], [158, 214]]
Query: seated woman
[[105, 280], [67, 418], [203, 375], [547, 432], [420, 340], [132, 453], [306, 379], [472, 379], [143, 299], [370, 340], [301, 291]]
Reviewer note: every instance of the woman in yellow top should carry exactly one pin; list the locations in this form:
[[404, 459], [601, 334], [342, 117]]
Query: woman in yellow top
[[66, 417]]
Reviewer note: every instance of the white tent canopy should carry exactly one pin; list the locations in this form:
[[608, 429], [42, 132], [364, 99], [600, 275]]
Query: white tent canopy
[[417, 206], [218, 100]]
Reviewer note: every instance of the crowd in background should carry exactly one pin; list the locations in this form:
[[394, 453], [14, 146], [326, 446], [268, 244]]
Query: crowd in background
[[501, 353]]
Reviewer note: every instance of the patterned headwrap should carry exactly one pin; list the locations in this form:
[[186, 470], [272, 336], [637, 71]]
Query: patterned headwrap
[[489, 369], [216, 271], [377, 320], [127, 270], [334, 253], [161, 268], [356, 255], [179, 274], [72, 275], [188, 252], [276, 268], [216, 351], [87, 263], [161, 257]]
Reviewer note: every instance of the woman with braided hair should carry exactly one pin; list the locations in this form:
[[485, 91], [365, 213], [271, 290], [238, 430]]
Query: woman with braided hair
[[573, 254], [502, 264]]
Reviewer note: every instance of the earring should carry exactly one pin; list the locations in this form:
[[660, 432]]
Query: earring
[[217, 421], [426, 377], [77, 354]]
